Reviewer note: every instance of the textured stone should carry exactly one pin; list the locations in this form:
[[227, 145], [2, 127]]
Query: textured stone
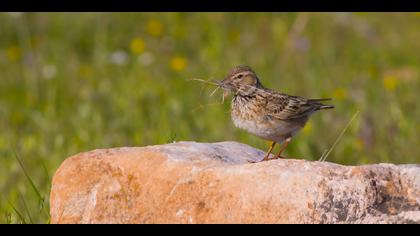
[[189, 182]]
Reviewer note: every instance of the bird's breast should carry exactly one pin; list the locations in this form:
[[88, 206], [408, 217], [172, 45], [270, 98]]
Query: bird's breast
[[249, 116]]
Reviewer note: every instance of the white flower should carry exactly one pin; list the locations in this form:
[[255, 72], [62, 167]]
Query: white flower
[[119, 58], [146, 58]]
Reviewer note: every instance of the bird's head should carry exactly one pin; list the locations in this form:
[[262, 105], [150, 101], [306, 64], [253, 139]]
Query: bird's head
[[240, 79]]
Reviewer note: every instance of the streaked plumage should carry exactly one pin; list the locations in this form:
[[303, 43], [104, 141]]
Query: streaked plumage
[[265, 113]]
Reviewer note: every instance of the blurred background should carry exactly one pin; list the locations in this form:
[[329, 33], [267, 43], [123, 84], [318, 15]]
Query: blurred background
[[73, 82]]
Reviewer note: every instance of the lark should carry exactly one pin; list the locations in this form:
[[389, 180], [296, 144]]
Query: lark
[[266, 113]]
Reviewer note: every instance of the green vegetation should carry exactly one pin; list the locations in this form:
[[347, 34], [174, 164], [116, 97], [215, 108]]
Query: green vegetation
[[72, 82]]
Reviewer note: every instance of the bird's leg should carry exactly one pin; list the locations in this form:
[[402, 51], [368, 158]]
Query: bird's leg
[[286, 143], [269, 151]]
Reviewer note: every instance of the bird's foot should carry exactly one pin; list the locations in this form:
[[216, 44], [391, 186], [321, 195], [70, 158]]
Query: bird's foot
[[264, 159], [278, 157]]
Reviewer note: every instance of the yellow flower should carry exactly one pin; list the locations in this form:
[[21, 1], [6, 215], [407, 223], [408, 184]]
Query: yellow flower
[[13, 53], [137, 45], [154, 27], [308, 128], [340, 93], [390, 83], [178, 63]]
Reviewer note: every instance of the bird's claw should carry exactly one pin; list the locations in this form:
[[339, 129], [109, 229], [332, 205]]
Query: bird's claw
[[265, 159]]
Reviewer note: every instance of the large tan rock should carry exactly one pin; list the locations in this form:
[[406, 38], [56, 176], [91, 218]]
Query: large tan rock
[[189, 182]]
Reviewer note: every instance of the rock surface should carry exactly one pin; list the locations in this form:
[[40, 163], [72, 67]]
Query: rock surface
[[189, 182]]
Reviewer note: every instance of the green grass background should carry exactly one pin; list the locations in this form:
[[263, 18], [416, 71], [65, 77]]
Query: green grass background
[[73, 82]]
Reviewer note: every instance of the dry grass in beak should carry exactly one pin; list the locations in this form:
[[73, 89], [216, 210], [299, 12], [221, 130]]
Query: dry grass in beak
[[225, 94], [214, 91], [210, 82]]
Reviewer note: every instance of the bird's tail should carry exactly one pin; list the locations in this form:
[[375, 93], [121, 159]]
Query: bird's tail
[[326, 107], [318, 102]]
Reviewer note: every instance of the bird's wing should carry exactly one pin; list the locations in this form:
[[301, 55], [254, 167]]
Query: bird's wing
[[285, 107]]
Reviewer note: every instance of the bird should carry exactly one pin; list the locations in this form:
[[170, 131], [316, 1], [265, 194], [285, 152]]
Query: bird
[[266, 113]]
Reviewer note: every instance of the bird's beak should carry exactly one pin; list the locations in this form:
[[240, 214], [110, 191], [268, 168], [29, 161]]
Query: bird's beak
[[223, 83]]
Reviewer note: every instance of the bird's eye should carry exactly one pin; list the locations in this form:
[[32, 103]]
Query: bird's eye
[[240, 76]]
